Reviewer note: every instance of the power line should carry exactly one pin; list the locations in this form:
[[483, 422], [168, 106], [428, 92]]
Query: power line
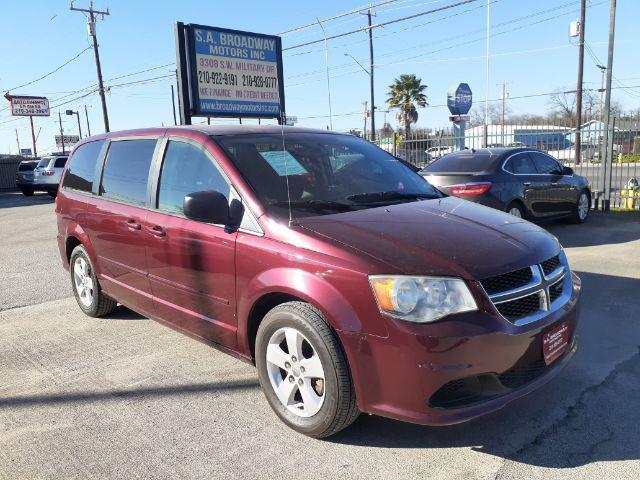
[[382, 24], [51, 72]]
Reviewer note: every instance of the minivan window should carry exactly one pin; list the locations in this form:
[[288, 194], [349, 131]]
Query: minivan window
[[81, 168], [520, 164], [186, 169], [546, 164], [126, 170], [60, 162], [320, 174]]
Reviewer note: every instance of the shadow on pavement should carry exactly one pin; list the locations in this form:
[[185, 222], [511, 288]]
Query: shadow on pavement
[[600, 229], [115, 394], [122, 313], [17, 199], [596, 419]]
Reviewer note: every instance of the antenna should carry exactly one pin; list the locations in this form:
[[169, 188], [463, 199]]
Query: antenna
[[286, 172]]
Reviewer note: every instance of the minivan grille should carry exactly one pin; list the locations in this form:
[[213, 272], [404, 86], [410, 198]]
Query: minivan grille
[[507, 281], [526, 292], [551, 265], [520, 308]]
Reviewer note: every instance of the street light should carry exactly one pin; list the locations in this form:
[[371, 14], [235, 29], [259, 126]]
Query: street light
[[372, 107], [77, 114], [354, 59]]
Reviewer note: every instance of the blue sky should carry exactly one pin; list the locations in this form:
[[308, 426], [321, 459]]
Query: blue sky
[[531, 50]]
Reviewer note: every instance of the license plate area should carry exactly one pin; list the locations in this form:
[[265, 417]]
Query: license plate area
[[555, 342]]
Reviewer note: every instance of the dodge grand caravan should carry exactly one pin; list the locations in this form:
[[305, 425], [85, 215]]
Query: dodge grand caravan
[[351, 283]]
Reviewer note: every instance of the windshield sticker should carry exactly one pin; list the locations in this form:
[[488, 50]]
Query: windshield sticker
[[283, 163]]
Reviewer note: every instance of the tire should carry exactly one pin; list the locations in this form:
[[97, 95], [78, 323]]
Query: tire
[[333, 406], [516, 207], [27, 192], [581, 212], [99, 303]]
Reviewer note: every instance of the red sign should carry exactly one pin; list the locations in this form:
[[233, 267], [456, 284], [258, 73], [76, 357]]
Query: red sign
[[555, 343]]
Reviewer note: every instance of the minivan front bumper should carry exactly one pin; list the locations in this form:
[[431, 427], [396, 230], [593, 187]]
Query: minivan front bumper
[[458, 369]]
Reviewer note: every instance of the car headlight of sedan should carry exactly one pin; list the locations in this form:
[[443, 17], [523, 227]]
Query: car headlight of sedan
[[421, 299]]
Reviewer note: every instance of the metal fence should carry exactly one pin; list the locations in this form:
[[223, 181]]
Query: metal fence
[[8, 169], [622, 154]]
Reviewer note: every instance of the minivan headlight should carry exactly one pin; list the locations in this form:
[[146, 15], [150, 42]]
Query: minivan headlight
[[421, 299]]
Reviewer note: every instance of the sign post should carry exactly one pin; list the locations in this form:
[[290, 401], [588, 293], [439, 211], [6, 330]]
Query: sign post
[[28, 106], [459, 101], [228, 73]]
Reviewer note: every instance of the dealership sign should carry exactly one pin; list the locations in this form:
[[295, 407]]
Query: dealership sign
[[29, 106], [68, 140], [459, 99], [229, 73]]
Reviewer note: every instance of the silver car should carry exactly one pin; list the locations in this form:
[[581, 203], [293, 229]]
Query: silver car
[[47, 174]]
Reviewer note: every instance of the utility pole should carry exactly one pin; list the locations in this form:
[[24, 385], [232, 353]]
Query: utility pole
[[33, 137], [365, 113], [173, 103], [373, 102], [18, 141], [86, 115], [605, 154], [578, 149], [603, 69], [503, 98], [61, 133], [91, 29]]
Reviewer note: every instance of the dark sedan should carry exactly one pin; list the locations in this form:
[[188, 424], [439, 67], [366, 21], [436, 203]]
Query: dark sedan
[[525, 182]]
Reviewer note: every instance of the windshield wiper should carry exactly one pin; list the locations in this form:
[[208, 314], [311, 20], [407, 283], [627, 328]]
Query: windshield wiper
[[391, 195], [315, 205]]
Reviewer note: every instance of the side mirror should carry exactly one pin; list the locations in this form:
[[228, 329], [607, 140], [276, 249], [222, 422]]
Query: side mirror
[[567, 171], [208, 206]]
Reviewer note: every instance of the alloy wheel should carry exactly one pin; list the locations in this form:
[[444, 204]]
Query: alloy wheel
[[295, 372], [515, 211], [583, 206], [83, 281]]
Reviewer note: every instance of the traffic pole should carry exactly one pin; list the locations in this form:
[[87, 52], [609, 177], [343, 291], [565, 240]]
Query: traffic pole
[[86, 115], [61, 133]]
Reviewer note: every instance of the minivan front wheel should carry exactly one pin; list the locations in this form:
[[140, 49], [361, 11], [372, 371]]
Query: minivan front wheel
[[303, 371], [85, 285]]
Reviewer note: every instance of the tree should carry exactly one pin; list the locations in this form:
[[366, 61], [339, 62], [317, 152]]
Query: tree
[[405, 93]]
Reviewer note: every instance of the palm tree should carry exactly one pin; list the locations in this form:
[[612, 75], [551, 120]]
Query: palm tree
[[404, 94]]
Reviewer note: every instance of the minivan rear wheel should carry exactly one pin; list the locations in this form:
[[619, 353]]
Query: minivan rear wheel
[[85, 285], [303, 371]]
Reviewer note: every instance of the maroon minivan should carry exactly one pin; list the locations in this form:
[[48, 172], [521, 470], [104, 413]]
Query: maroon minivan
[[351, 283]]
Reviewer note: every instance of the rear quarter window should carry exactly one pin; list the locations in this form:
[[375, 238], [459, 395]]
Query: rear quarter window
[[60, 162], [80, 174]]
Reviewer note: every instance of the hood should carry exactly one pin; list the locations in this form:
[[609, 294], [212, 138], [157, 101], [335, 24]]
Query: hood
[[447, 236]]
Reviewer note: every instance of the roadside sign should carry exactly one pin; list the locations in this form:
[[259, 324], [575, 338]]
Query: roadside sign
[[25, 152], [459, 99], [229, 73], [26, 106], [291, 120], [68, 140]]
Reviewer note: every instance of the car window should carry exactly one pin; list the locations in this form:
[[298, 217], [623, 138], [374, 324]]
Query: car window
[[60, 162], [520, 164], [81, 169], [187, 169], [545, 164], [126, 170], [465, 161], [44, 162], [26, 167]]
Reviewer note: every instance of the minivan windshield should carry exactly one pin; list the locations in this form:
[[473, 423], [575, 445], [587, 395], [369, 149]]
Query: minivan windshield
[[321, 174]]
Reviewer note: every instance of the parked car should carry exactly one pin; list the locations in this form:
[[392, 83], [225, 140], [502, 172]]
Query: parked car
[[47, 174], [351, 283], [24, 177], [435, 153], [524, 182]]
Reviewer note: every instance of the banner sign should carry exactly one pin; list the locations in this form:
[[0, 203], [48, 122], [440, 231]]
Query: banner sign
[[29, 106], [230, 73], [26, 152], [68, 140]]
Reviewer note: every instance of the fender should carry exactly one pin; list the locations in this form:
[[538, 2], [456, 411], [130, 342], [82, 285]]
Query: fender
[[76, 231], [298, 283]]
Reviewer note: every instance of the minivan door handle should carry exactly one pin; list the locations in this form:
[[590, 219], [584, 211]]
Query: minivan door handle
[[133, 225], [156, 231]]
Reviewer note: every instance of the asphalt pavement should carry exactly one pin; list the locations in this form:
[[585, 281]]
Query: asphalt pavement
[[125, 397]]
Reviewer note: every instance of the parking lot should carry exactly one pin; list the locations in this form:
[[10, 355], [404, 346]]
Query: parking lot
[[125, 397]]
